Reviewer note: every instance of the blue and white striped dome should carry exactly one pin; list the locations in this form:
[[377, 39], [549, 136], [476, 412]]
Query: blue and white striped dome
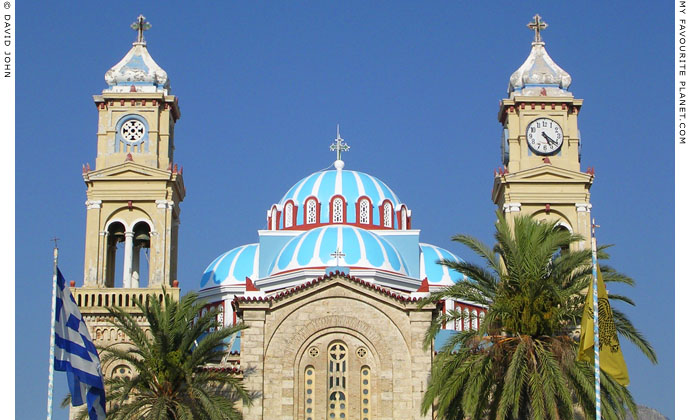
[[437, 274], [350, 184], [233, 267], [362, 249]]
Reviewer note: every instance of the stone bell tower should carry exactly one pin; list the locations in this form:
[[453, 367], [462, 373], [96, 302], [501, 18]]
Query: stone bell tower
[[541, 175], [134, 192]]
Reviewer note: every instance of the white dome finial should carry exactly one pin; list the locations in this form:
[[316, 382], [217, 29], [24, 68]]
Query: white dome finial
[[137, 69], [539, 75]]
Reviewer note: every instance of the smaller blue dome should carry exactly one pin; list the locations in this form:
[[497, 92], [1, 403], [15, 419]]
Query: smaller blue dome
[[437, 274], [362, 249], [233, 267]]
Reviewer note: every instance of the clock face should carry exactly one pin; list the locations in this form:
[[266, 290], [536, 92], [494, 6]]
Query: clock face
[[544, 136]]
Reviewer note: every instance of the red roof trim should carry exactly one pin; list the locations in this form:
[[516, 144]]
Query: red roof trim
[[288, 292]]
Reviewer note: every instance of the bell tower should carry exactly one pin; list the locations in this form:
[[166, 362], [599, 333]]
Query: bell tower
[[134, 191], [540, 149]]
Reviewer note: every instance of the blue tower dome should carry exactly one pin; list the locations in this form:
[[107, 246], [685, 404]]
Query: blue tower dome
[[233, 267], [362, 249]]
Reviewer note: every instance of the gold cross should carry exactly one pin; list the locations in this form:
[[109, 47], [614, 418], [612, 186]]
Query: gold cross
[[140, 26], [537, 26], [55, 239]]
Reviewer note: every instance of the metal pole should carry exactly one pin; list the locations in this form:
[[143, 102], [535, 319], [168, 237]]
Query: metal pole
[[595, 303], [52, 336]]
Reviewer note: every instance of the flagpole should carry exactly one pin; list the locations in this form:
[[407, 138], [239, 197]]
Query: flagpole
[[52, 335], [595, 303]]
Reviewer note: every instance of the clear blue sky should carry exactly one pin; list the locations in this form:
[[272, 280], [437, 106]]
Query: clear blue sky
[[415, 88]]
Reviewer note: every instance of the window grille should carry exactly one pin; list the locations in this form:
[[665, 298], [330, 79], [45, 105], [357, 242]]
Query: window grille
[[364, 212], [337, 387], [309, 393], [387, 215], [311, 212], [288, 215], [337, 210]]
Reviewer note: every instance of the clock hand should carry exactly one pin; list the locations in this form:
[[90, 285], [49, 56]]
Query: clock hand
[[549, 140]]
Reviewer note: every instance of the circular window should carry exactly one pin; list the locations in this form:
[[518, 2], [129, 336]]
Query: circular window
[[361, 352], [133, 131], [313, 352]]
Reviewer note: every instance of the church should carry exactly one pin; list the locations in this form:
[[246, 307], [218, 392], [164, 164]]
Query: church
[[330, 288]]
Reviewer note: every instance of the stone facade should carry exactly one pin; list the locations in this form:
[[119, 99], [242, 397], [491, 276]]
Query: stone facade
[[379, 331]]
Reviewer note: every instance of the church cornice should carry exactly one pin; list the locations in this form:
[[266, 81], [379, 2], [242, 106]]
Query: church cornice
[[114, 99], [131, 171], [542, 174], [520, 103], [278, 299]]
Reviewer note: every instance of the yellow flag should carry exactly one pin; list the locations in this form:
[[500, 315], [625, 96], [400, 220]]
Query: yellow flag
[[610, 354]]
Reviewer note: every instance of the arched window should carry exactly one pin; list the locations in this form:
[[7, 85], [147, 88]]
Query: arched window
[[337, 387], [365, 392], [474, 319], [337, 210], [141, 244], [403, 218], [466, 320], [481, 317], [309, 379], [116, 236], [288, 215], [274, 216], [387, 214], [364, 212], [311, 211]]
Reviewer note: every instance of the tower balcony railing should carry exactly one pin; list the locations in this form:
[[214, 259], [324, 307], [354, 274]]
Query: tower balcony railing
[[97, 299]]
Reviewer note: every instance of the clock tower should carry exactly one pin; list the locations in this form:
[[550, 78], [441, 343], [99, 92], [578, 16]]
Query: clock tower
[[541, 175]]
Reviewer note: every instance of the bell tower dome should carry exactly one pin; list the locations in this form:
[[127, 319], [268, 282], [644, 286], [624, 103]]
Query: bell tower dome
[[540, 149], [134, 191]]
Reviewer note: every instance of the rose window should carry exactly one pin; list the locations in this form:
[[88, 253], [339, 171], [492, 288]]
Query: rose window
[[133, 131]]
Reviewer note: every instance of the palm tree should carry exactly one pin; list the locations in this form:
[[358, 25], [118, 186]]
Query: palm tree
[[521, 362], [171, 381]]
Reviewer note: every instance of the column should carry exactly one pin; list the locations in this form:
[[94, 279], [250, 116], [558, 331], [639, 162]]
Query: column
[[135, 267], [127, 267]]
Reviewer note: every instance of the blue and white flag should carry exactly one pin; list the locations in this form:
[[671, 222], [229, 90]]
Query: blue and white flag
[[76, 354]]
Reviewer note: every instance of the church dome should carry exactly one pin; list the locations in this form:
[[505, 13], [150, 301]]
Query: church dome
[[137, 68], [233, 267], [361, 249], [339, 196], [435, 273]]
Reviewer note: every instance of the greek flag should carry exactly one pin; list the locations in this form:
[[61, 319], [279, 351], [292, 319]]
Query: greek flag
[[76, 354]]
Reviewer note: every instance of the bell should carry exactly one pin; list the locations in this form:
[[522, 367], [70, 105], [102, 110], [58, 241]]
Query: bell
[[142, 239], [118, 236], [144, 236]]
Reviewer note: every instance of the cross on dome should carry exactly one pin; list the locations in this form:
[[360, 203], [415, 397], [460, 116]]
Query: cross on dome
[[339, 146], [140, 26], [537, 26], [337, 255]]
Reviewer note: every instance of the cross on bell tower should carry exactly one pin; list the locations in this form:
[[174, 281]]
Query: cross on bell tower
[[140, 26], [537, 26]]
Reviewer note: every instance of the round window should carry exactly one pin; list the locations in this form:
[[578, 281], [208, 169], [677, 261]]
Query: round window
[[132, 131]]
